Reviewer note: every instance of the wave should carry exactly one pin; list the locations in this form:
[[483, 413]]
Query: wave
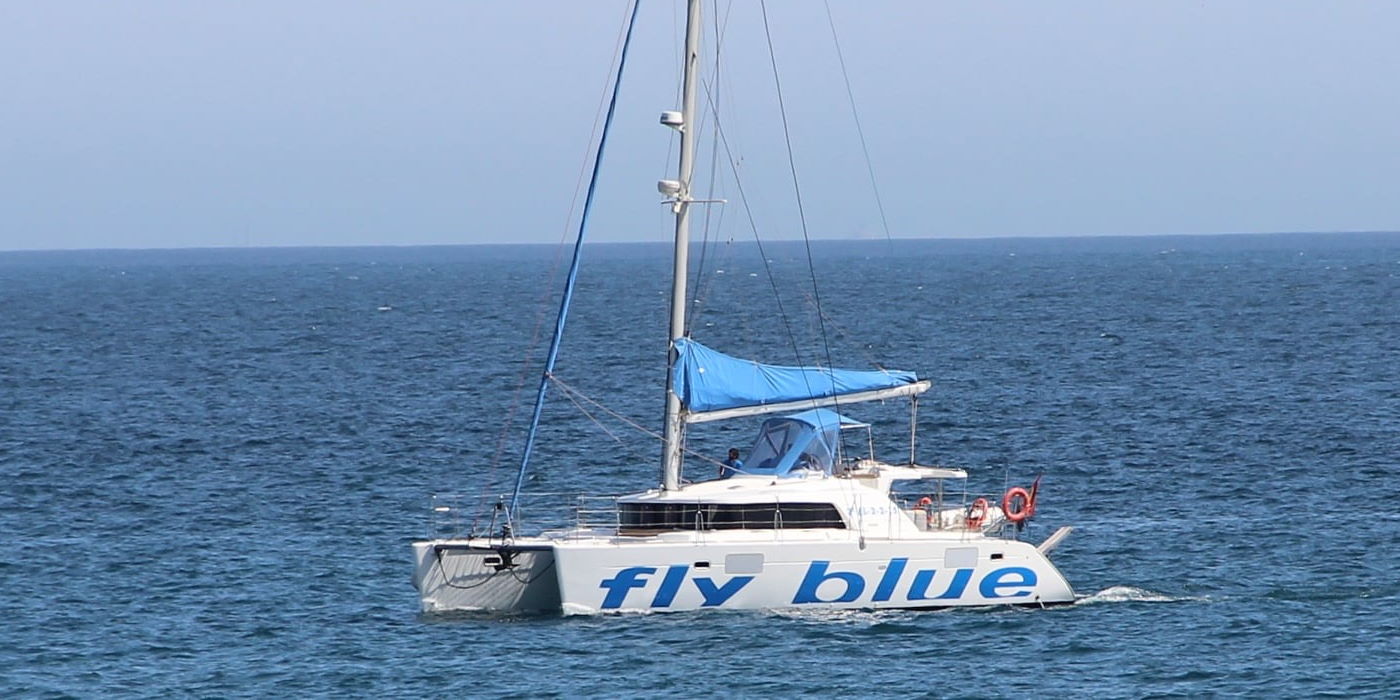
[[1130, 594]]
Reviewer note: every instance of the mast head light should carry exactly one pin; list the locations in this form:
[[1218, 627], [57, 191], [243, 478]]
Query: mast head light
[[670, 188], [672, 119]]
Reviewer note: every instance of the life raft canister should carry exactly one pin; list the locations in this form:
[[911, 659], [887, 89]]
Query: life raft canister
[[926, 504], [977, 513], [1018, 504]]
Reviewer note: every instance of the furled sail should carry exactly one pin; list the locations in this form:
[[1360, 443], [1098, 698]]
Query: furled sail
[[712, 385]]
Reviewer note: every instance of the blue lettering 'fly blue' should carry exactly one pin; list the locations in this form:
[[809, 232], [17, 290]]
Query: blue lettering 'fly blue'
[[885, 589], [623, 582], [1007, 582], [959, 584], [666, 594], [1025, 578], [717, 595], [636, 577], [816, 575], [918, 589]]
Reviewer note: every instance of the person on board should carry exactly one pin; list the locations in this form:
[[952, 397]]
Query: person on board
[[731, 465]]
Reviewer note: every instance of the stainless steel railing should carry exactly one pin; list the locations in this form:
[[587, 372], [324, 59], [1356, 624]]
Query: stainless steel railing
[[486, 515]]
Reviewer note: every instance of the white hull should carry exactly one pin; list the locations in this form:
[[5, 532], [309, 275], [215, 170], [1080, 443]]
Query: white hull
[[476, 576], [800, 521], [800, 569]]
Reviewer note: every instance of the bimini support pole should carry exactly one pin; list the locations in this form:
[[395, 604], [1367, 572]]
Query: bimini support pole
[[913, 427]]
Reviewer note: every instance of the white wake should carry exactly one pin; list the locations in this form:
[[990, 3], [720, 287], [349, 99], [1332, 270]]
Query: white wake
[[1129, 594]]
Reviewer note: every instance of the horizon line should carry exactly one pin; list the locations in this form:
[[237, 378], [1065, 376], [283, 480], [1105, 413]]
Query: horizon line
[[501, 244]]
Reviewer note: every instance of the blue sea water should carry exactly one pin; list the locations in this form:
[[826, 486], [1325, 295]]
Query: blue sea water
[[212, 462]]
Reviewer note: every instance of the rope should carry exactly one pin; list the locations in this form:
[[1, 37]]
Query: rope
[[542, 305], [797, 191], [573, 398], [627, 421], [570, 395], [573, 267], [841, 330], [447, 581], [702, 281], [762, 254], [534, 578], [851, 96]]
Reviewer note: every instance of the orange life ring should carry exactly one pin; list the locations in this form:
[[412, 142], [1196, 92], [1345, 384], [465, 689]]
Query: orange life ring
[[977, 513], [1027, 504]]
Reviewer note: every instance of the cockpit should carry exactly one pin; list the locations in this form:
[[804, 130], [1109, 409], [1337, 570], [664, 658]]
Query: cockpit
[[798, 445]]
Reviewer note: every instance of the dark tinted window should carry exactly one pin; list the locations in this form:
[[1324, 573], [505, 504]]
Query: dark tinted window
[[728, 516]]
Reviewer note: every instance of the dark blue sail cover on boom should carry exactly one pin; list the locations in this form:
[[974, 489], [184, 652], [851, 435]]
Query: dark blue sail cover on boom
[[708, 380]]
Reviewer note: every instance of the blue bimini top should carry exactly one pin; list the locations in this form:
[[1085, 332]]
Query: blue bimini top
[[798, 444]]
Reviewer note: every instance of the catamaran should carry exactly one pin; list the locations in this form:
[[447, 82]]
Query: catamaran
[[809, 517]]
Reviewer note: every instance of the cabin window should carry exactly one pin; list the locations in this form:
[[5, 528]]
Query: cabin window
[[728, 516]]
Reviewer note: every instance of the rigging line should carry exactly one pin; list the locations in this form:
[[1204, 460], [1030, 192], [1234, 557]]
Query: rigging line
[[678, 43], [851, 96], [628, 421], [797, 190], [531, 579], [573, 268], [762, 254], [693, 294], [701, 283], [702, 294], [678, 40], [447, 580], [841, 330], [573, 396], [542, 305], [586, 414]]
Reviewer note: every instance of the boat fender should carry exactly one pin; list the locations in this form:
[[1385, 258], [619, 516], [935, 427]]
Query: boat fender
[[926, 504], [977, 513], [1018, 504]]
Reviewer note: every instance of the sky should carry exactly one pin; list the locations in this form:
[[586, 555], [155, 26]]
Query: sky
[[166, 123]]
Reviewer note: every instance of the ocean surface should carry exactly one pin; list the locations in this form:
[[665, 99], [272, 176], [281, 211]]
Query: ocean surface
[[212, 462]]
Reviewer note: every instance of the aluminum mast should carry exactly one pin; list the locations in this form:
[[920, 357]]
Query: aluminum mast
[[671, 455]]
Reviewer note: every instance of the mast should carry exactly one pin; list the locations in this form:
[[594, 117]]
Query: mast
[[671, 455]]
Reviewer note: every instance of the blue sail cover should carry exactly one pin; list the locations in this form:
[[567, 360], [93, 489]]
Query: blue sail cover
[[708, 380]]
